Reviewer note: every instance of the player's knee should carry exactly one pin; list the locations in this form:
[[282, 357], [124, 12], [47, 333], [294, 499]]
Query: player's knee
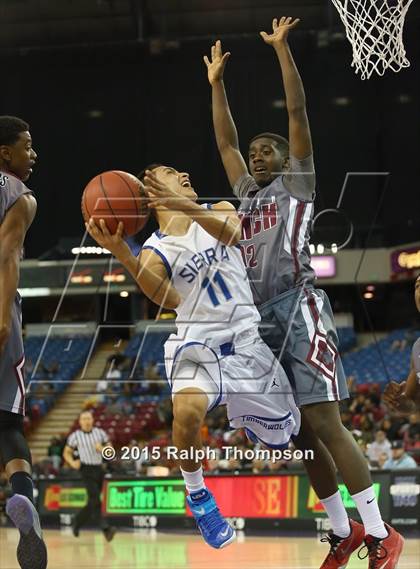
[[189, 411], [324, 420]]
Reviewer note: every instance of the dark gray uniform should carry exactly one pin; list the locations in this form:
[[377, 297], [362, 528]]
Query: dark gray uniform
[[297, 320], [12, 358]]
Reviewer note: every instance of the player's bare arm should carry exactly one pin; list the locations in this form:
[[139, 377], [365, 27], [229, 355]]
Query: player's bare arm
[[147, 270], [221, 221], [299, 131], [224, 126], [12, 235]]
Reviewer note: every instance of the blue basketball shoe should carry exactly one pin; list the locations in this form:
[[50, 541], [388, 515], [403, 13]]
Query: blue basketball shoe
[[213, 527]]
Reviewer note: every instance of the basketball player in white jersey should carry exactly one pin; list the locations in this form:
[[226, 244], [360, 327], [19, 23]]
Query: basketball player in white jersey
[[192, 264]]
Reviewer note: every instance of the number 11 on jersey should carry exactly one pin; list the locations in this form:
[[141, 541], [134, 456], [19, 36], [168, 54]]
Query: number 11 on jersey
[[219, 280]]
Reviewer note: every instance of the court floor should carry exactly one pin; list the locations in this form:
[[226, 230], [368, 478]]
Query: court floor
[[151, 549]]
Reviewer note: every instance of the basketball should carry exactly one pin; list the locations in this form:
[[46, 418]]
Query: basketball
[[116, 196]]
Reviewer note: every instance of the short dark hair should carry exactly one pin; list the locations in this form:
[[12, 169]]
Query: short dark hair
[[10, 129], [281, 142], [142, 173]]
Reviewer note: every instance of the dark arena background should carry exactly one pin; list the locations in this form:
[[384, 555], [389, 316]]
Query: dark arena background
[[117, 85]]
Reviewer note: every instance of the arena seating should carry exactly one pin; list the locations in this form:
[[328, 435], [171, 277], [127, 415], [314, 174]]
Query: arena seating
[[378, 363], [151, 350], [68, 353], [123, 428], [347, 338]]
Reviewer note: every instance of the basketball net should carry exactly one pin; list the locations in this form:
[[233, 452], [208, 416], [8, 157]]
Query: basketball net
[[375, 29]]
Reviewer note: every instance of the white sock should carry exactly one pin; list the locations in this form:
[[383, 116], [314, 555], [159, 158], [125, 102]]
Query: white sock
[[194, 481], [337, 514], [368, 509]]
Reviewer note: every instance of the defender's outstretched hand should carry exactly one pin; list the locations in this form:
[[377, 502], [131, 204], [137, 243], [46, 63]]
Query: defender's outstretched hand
[[216, 67], [281, 29]]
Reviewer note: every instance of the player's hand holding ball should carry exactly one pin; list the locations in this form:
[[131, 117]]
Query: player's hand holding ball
[[113, 242], [281, 29], [216, 67]]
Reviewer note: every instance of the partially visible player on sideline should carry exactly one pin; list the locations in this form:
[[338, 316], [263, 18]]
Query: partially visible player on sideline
[[297, 320], [217, 356], [17, 211], [405, 397]]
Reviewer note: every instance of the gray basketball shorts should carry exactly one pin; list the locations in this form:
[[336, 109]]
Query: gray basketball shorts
[[299, 328], [12, 366]]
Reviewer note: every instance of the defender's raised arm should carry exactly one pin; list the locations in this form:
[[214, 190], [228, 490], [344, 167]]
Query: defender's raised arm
[[299, 131], [224, 126]]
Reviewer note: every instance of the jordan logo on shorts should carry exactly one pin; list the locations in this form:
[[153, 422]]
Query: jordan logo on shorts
[[274, 384]]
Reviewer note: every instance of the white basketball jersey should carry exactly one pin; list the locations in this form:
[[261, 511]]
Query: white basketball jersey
[[210, 277]]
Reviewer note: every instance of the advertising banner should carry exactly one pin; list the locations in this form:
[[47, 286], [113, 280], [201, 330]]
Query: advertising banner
[[405, 498], [62, 497], [265, 497], [255, 496], [405, 260], [136, 497]]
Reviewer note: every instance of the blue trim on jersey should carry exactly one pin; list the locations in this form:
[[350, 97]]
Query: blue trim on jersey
[[270, 445], [209, 205], [162, 256], [187, 345], [159, 234]]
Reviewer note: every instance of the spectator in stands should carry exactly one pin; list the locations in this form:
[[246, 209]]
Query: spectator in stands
[[346, 419], [400, 459], [29, 367], [410, 336], [375, 394], [382, 459], [51, 369], [358, 404], [366, 426], [397, 427], [412, 430], [152, 378], [380, 445], [55, 450], [119, 360], [164, 412]]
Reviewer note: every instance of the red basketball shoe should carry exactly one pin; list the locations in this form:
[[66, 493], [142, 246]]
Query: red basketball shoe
[[342, 547], [383, 553]]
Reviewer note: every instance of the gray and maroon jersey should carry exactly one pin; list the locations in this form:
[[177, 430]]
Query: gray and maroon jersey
[[12, 359], [415, 355], [276, 223], [11, 189]]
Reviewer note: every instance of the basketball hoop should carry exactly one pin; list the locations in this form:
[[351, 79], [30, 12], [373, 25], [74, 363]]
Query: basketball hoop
[[375, 31]]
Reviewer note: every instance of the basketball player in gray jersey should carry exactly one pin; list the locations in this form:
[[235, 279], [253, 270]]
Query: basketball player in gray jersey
[[17, 211], [297, 320], [405, 396]]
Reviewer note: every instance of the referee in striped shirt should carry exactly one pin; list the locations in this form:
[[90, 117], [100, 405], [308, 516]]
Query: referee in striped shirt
[[89, 442]]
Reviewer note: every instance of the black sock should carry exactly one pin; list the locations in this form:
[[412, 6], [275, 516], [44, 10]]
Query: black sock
[[21, 483]]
